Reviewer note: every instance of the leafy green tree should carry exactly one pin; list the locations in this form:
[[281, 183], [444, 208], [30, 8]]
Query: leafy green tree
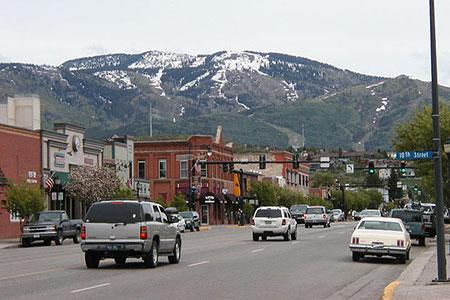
[[248, 210], [372, 180], [375, 198], [124, 192], [23, 200], [417, 134], [320, 179], [265, 192], [179, 201], [394, 191]]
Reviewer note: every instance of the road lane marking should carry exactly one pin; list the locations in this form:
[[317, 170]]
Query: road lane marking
[[91, 287], [296, 242], [199, 263], [29, 274], [257, 250], [389, 290], [321, 236], [341, 232]]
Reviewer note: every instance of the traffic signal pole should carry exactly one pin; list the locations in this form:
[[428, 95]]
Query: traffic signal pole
[[437, 155]]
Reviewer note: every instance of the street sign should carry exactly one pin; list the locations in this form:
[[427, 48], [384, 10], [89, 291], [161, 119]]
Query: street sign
[[324, 165], [399, 184], [350, 169], [324, 159], [414, 155]]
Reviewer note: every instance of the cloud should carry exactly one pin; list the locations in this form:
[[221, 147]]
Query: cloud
[[4, 59]]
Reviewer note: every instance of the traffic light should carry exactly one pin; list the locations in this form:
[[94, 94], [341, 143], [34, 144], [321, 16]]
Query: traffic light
[[225, 168], [403, 168], [371, 167], [296, 163], [416, 188], [262, 161]]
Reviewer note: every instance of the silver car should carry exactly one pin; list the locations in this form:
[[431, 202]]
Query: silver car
[[317, 215], [273, 221], [129, 228]]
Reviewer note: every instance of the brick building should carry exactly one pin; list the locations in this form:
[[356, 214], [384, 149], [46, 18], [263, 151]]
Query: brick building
[[281, 174], [169, 166], [20, 161]]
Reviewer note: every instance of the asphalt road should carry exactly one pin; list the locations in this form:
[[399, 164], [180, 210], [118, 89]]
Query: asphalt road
[[222, 263]]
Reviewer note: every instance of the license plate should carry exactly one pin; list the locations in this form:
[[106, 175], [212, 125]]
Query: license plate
[[268, 222], [36, 236], [112, 247], [378, 245]]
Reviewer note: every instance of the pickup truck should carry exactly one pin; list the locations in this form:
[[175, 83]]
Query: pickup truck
[[413, 221], [51, 225]]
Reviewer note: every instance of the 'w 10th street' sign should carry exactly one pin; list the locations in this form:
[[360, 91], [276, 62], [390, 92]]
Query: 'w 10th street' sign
[[414, 155]]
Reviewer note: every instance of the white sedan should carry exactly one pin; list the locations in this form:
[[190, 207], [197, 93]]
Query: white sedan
[[179, 222], [380, 237]]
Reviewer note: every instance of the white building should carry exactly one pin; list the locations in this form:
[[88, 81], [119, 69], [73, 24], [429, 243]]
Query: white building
[[21, 111]]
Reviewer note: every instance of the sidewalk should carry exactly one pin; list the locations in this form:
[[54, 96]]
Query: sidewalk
[[9, 243], [416, 280]]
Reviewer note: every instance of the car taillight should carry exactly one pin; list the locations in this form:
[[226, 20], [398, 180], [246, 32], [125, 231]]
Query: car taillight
[[400, 243], [355, 240], [83, 232], [253, 221], [143, 233]]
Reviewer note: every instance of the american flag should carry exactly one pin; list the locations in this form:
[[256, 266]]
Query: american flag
[[197, 167], [49, 183]]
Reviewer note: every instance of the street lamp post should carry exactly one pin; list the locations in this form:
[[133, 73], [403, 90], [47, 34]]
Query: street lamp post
[[138, 186], [437, 155]]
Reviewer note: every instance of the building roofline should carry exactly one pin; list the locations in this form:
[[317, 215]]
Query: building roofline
[[20, 129], [69, 126]]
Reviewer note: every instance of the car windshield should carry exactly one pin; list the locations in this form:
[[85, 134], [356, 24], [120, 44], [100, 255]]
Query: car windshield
[[407, 215], [268, 213], [298, 208], [380, 225], [187, 214], [114, 212], [373, 213], [314, 210], [46, 216], [336, 211]]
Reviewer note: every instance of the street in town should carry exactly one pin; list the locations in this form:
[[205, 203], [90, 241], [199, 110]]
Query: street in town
[[220, 262]]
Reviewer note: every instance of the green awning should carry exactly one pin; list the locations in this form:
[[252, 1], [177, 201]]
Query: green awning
[[63, 176]]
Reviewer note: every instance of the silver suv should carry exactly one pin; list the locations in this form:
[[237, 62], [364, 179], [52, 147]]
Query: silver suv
[[127, 228], [317, 215], [273, 221]]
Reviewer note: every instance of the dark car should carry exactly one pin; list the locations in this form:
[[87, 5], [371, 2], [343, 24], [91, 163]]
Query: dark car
[[298, 212], [192, 220], [413, 220], [51, 225]]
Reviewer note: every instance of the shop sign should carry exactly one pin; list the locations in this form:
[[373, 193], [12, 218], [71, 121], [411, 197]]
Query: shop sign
[[88, 161], [32, 177], [60, 160], [210, 199]]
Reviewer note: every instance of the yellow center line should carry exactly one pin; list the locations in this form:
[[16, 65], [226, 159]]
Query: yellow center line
[[389, 290]]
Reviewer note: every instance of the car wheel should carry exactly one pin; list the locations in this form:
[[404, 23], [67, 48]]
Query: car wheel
[[294, 235], [329, 224], [182, 231], [306, 225], [92, 260], [401, 259], [407, 255], [287, 235], [255, 237], [77, 238], [120, 260], [151, 259], [422, 241], [197, 228], [355, 256], [264, 238], [59, 238], [192, 229], [47, 242], [325, 225], [26, 242], [176, 254]]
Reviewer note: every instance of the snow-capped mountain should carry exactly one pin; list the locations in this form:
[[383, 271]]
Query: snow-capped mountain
[[262, 91]]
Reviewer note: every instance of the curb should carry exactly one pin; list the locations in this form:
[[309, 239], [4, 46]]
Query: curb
[[9, 246], [409, 276], [203, 228]]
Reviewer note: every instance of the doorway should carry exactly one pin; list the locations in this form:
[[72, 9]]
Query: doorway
[[205, 214]]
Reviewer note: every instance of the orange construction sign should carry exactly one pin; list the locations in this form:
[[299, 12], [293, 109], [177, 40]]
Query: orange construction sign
[[236, 186]]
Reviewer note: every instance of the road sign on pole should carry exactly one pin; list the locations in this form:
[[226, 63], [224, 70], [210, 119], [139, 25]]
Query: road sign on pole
[[350, 169], [414, 155]]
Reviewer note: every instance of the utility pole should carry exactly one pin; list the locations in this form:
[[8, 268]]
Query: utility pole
[[241, 197], [437, 155]]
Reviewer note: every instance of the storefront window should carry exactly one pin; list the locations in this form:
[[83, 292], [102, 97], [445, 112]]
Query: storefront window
[[162, 168], [141, 168], [183, 169]]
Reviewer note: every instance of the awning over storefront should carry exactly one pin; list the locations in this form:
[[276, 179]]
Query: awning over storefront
[[231, 198], [63, 177]]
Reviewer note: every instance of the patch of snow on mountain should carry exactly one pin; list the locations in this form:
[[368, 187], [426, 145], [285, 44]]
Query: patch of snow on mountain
[[221, 79], [292, 66], [241, 61], [199, 61], [374, 85], [95, 63], [241, 104], [182, 111], [194, 82], [289, 88], [118, 77], [155, 81], [160, 59]]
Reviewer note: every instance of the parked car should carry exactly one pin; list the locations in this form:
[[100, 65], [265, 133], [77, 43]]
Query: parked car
[[317, 215], [273, 221], [446, 216], [298, 212], [178, 221], [330, 213], [120, 229], [413, 221], [192, 220], [380, 236], [338, 214], [51, 225], [356, 216], [370, 213]]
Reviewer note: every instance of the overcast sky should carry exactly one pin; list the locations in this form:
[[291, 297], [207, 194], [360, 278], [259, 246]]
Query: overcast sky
[[377, 37]]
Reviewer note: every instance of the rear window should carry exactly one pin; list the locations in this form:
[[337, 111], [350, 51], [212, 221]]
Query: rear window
[[298, 208], [372, 213], [314, 210], [186, 214], [407, 216], [380, 225], [268, 213], [115, 212]]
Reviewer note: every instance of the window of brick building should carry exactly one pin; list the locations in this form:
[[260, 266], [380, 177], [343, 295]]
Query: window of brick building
[[162, 168], [141, 168], [183, 169]]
